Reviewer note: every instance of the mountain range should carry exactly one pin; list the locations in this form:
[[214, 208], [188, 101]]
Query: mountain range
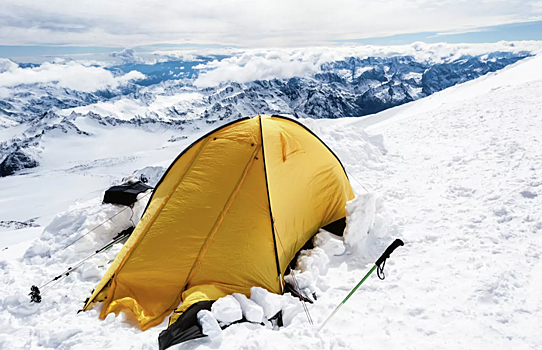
[[168, 95]]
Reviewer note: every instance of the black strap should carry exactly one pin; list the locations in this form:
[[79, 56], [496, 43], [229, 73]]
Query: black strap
[[380, 271], [35, 295]]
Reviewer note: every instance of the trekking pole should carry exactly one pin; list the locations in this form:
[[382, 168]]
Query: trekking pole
[[35, 293], [378, 266]]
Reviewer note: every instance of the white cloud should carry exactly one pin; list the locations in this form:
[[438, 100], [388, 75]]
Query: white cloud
[[537, 7], [455, 32], [71, 75], [127, 56], [263, 64], [249, 23], [243, 65], [256, 66]]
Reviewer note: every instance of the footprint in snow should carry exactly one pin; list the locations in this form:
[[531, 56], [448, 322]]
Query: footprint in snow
[[528, 194]]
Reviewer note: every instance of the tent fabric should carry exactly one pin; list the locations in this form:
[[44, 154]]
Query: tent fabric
[[230, 213]]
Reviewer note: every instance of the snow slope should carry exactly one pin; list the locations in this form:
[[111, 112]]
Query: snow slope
[[456, 176]]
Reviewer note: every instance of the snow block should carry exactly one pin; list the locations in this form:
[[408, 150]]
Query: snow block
[[251, 311], [209, 325], [270, 302], [292, 307], [227, 310]]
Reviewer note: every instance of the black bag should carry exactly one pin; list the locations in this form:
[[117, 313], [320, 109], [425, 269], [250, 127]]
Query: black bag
[[125, 194]]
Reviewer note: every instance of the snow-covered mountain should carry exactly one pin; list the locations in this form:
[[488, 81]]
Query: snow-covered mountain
[[351, 87], [172, 92], [455, 175]]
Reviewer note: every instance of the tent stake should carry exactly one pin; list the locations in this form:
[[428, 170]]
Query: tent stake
[[379, 264]]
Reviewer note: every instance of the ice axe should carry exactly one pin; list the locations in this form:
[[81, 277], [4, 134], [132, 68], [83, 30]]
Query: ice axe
[[378, 266]]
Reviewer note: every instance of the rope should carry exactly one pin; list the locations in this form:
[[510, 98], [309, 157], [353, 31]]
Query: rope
[[76, 209], [106, 220], [359, 183], [302, 298], [131, 216], [305, 308], [35, 293]]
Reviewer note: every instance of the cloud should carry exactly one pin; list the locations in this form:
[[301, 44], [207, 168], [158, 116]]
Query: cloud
[[264, 64], [465, 31], [255, 66], [256, 23], [127, 56], [71, 75]]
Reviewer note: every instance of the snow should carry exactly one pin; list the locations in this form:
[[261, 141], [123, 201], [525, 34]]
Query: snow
[[251, 311], [210, 326], [367, 218], [76, 169], [129, 108], [227, 310], [270, 302], [456, 176], [520, 73], [14, 243]]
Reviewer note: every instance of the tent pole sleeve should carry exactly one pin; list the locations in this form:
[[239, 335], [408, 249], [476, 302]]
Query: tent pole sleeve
[[279, 273]]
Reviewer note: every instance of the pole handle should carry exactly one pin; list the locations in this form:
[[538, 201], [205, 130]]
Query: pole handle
[[396, 244]]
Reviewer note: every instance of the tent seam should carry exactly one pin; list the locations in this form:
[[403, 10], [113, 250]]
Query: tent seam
[[190, 147], [220, 219], [146, 229], [279, 272]]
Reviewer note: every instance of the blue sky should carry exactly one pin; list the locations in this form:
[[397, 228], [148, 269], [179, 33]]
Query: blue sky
[[507, 32]]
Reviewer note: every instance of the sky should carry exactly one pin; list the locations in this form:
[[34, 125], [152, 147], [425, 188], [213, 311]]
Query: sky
[[508, 32], [246, 23]]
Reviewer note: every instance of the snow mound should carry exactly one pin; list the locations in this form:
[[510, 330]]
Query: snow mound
[[70, 237], [365, 237], [367, 221], [83, 228], [152, 174]]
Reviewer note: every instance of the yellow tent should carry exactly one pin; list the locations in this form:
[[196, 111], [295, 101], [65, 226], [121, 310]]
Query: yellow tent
[[230, 213]]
